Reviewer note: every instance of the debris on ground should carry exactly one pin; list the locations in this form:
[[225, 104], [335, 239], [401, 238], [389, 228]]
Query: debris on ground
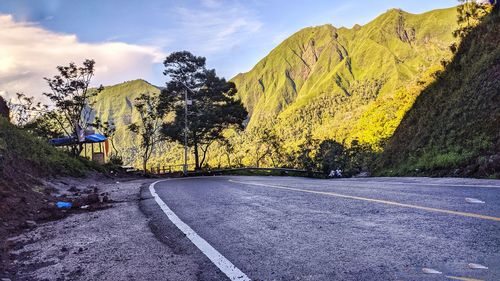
[[44, 201]]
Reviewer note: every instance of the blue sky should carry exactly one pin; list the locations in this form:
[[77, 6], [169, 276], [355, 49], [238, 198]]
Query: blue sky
[[233, 35]]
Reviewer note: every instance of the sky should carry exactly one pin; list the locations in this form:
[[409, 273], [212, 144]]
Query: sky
[[129, 39]]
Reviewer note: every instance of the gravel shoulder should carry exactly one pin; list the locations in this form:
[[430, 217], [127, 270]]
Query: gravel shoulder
[[114, 243]]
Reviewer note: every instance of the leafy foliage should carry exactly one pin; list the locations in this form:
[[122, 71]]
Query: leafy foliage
[[25, 110], [148, 129], [212, 109], [45, 126], [72, 98], [4, 108], [470, 14]]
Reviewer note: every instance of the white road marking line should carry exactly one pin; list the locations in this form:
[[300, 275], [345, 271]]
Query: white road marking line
[[463, 278], [430, 271], [474, 201], [217, 258], [477, 266], [464, 214]]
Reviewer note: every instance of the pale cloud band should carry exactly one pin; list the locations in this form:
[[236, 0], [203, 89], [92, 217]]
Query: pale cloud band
[[29, 52]]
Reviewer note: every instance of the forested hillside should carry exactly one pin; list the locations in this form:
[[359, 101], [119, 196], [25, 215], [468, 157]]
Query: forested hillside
[[323, 83], [346, 84], [454, 126], [115, 105]]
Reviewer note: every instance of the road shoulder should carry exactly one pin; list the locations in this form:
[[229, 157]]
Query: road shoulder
[[110, 244]]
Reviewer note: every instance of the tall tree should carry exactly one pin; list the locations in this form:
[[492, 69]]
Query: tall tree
[[212, 106], [71, 96], [149, 127]]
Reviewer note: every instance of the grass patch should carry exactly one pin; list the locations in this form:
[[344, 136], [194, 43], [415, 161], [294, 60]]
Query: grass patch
[[23, 155]]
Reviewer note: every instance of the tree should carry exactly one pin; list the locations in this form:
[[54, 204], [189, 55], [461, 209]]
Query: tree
[[45, 126], [305, 158], [35, 117], [71, 95], [228, 148], [149, 127], [25, 110], [265, 144], [470, 14], [212, 104], [331, 155], [108, 129], [360, 158]]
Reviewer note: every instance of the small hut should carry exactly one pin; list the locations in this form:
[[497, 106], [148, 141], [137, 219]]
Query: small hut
[[95, 141]]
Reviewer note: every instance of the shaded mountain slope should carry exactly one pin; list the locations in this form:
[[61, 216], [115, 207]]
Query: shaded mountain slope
[[454, 126]]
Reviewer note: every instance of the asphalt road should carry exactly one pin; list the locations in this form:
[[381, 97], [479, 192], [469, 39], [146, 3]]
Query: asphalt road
[[286, 228]]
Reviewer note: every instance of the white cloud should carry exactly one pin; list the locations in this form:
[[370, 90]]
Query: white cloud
[[211, 3], [29, 52], [213, 29]]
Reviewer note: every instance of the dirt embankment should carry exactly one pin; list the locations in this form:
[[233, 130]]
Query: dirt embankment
[[114, 243], [25, 205]]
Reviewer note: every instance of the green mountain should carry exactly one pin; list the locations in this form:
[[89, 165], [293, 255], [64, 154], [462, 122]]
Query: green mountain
[[346, 84], [454, 126], [331, 83], [116, 104]]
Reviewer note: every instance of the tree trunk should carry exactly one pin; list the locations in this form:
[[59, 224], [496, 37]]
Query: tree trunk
[[113, 145], [228, 160], [77, 149], [204, 154], [196, 157], [145, 161]]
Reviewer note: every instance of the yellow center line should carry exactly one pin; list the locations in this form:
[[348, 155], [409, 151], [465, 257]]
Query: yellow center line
[[464, 214], [463, 278]]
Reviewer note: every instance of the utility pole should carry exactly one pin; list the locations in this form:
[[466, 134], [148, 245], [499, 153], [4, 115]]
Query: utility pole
[[185, 132]]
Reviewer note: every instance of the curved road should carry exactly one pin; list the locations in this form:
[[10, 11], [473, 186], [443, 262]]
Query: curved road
[[285, 228]]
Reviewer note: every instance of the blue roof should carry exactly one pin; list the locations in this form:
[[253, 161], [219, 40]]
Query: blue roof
[[72, 140], [62, 141], [95, 138]]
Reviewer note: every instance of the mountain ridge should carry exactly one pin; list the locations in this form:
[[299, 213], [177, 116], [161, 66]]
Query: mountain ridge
[[334, 66], [332, 83]]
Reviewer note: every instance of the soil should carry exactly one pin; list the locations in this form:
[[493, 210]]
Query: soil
[[115, 242], [24, 204]]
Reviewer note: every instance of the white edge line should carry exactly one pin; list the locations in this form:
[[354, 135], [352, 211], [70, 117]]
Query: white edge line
[[217, 258]]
